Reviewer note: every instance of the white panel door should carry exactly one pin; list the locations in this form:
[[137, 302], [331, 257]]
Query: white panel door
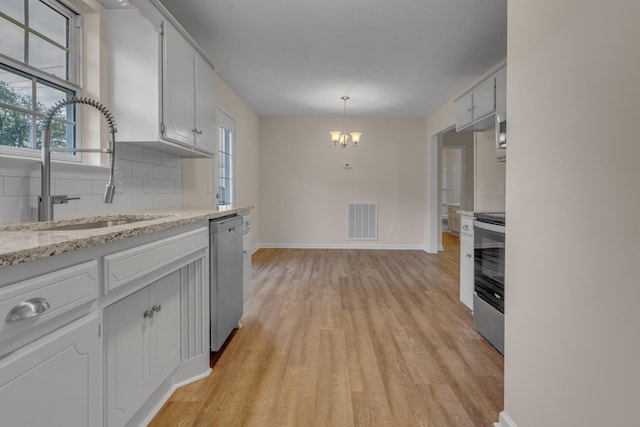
[[127, 357], [164, 329], [178, 88], [205, 119], [54, 381]]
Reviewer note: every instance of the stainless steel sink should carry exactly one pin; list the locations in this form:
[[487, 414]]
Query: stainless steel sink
[[95, 224]]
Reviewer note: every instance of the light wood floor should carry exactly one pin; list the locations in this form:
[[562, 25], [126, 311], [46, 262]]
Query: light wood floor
[[349, 338]]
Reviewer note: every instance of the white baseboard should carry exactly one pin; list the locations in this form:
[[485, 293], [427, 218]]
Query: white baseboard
[[504, 421], [339, 246]]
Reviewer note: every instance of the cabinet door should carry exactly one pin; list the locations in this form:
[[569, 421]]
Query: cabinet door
[[464, 111], [134, 75], [484, 99], [54, 381], [466, 272], [164, 329], [178, 88], [205, 120], [127, 357], [246, 269], [501, 92]]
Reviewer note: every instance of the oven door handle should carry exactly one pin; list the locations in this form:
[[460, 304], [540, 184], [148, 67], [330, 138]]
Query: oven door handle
[[490, 227]]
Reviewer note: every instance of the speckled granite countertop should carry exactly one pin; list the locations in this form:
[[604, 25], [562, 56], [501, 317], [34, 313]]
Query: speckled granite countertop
[[30, 241]]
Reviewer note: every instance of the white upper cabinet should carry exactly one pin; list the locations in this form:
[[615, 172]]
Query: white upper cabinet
[[475, 109], [178, 88], [205, 114], [484, 99], [154, 75], [501, 92]]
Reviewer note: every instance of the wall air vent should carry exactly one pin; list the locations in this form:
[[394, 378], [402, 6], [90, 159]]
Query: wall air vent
[[363, 221]]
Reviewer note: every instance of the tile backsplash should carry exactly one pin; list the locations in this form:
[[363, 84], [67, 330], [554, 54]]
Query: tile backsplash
[[144, 178]]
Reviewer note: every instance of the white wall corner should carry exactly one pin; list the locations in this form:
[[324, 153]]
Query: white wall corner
[[504, 421]]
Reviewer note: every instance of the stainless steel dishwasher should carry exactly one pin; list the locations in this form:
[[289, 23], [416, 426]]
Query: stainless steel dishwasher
[[225, 245]]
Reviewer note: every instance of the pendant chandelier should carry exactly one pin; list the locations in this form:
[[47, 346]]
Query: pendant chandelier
[[343, 138]]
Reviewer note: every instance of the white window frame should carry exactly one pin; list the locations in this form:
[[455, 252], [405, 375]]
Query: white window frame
[[74, 83], [227, 122]]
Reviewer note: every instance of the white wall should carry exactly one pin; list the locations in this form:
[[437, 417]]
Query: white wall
[[304, 189], [437, 123], [490, 174], [20, 185], [20, 178], [573, 239], [198, 173]]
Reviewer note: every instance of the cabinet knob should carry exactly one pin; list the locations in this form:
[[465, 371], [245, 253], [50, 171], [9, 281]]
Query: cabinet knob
[[156, 308], [468, 255], [148, 314]]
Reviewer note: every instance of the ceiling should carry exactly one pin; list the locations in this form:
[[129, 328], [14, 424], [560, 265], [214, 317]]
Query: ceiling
[[395, 59]]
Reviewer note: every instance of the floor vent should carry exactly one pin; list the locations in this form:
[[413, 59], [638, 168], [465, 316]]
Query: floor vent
[[363, 221]]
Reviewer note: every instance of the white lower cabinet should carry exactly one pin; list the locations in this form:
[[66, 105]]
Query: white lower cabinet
[[246, 266], [142, 338], [466, 272], [111, 333], [466, 260], [55, 380]]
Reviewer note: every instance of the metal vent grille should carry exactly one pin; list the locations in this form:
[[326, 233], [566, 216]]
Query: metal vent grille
[[363, 221]]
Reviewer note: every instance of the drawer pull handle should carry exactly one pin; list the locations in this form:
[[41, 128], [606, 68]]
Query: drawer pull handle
[[30, 308], [156, 308], [148, 313]]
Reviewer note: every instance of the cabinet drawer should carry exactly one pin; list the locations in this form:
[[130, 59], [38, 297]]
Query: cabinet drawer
[[54, 293], [122, 267]]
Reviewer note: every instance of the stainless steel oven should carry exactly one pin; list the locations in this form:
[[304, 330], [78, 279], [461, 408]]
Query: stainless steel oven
[[489, 256]]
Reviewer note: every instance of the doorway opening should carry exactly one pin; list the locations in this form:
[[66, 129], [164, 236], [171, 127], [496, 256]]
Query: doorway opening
[[450, 186]]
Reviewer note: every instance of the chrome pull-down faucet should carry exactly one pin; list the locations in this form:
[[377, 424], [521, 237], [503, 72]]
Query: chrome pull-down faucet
[[46, 200]]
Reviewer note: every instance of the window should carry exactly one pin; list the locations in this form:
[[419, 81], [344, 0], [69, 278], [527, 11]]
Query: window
[[224, 164], [39, 65]]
